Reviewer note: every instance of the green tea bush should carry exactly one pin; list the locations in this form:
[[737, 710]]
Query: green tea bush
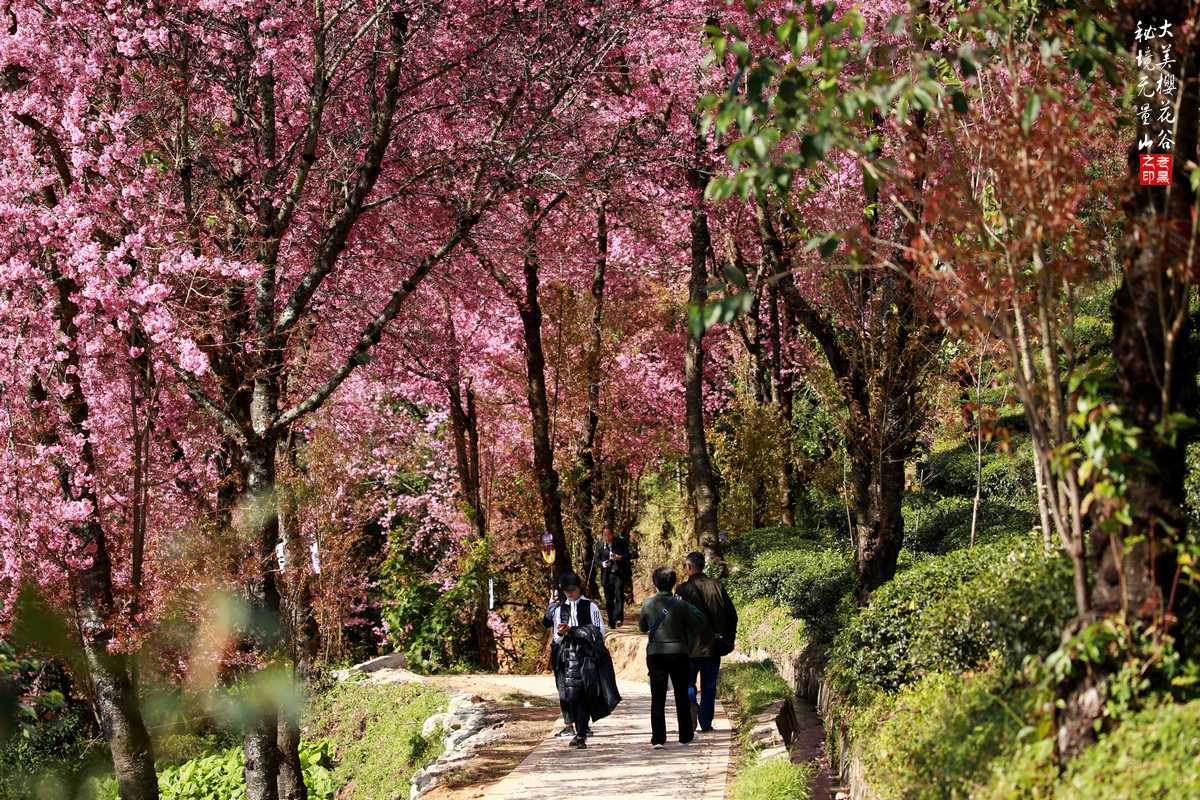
[[763, 625], [952, 612], [937, 737], [773, 779], [222, 776], [1154, 754], [946, 525]]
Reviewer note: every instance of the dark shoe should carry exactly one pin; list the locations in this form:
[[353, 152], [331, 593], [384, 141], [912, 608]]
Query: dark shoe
[[695, 716], [565, 732], [579, 742], [704, 730]]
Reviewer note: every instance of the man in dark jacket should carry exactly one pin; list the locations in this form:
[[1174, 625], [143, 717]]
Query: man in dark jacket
[[674, 625], [612, 557], [573, 610], [708, 595]]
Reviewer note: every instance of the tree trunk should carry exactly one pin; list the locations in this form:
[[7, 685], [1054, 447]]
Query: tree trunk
[[704, 488], [586, 504], [262, 637], [535, 387], [1134, 566], [781, 394], [115, 695], [300, 626]]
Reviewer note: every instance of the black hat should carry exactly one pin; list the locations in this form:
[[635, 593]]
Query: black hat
[[569, 581]]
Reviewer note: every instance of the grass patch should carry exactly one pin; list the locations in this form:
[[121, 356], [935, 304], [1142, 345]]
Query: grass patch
[[375, 733], [751, 686], [774, 779]]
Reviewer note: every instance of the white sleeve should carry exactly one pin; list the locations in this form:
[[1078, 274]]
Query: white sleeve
[[597, 617]]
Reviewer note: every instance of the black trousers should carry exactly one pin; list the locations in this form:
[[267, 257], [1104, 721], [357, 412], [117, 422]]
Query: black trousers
[[568, 709], [675, 666], [614, 598], [581, 712]]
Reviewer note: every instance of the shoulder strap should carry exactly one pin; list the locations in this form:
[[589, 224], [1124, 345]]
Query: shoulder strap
[[661, 617]]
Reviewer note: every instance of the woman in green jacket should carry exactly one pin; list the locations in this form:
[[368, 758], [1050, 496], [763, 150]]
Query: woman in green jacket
[[672, 624]]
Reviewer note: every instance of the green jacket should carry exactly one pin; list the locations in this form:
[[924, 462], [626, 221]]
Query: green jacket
[[675, 633]]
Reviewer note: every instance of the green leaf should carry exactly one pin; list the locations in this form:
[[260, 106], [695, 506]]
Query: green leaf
[[1030, 113], [958, 101]]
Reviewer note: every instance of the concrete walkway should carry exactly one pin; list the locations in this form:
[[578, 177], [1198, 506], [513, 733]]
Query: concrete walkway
[[618, 761]]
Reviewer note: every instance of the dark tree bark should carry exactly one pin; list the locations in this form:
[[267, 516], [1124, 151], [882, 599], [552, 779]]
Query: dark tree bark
[[114, 691], [704, 484], [1134, 566], [589, 474], [530, 311], [878, 376], [300, 626], [781, 395]]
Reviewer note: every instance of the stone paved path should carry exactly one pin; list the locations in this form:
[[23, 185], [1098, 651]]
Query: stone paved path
[[618, 761]]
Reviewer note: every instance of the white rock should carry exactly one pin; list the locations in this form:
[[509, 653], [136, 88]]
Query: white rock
[[480, 739], [459, 701], [436, 723], [772, 752], [766, 735], [528, 704], [390, 661]]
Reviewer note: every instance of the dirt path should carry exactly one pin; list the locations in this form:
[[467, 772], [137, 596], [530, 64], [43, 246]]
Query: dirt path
[[618, 762]]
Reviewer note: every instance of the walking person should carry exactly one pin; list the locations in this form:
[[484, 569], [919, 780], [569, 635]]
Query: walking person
[[673, 625], [570, 610], [708, 595], [613, 557]]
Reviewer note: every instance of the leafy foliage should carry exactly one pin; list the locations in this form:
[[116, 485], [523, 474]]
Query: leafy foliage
[[935, 738], [954, 612], [221, 776]]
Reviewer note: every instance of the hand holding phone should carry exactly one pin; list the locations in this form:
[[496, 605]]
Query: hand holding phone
[[562, 629]]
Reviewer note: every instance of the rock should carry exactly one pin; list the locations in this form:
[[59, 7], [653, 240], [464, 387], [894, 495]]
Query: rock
[[528, 704], [476, 699], [766, 735], [451, 756], [773, 752], [436, 723], [465, 718], [390, 661], [457, 702], [341, 674], [480, 739]]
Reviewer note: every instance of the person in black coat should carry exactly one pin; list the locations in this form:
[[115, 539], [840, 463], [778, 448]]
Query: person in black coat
[[571, 612], [613, 561]]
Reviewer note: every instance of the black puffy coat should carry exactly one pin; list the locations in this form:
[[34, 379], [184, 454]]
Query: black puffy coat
[[587, 671]]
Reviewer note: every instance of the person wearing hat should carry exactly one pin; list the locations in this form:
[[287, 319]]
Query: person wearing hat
[[568, 610]]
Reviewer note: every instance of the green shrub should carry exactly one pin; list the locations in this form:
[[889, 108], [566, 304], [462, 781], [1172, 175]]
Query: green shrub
[[773, 779], [743, 548], [952, 612], [937, 737], [809, 582], [763, 625], [1154, 754], [946, 524], [222, 776]]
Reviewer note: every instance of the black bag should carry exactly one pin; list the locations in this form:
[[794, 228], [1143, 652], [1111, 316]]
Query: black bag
[[723, 641]]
